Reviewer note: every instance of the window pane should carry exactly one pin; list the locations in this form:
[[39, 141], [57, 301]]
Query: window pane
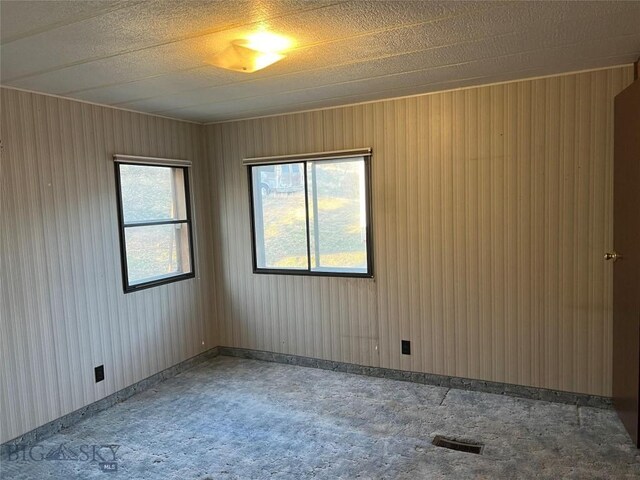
[[157, 251], [152, 193], [337, 215], [279, 216]]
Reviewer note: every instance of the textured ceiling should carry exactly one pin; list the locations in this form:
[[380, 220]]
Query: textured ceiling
[[150, 55]]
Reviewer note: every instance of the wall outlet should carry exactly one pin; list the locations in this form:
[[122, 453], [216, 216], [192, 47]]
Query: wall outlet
[[99, 372], [406, 347]]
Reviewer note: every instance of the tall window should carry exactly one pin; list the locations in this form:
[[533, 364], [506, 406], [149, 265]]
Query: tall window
[[311, 216], [155, 223]]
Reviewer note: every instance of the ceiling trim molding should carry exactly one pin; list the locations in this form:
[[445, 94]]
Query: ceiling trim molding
[[71, 99], [386, 99], [295, 112]]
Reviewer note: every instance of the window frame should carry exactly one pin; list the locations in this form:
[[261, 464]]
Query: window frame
[[122, 226], [305, 159]]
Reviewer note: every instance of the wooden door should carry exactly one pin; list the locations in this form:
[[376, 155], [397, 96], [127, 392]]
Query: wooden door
[[626, 259]]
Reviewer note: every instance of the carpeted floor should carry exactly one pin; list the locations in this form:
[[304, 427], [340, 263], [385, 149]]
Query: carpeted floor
[[232, 418]]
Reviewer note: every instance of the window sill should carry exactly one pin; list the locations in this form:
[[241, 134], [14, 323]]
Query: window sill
[[307, 273], [156, 283]]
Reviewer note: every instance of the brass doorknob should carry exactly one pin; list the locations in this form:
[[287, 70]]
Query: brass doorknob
[[613, 256]]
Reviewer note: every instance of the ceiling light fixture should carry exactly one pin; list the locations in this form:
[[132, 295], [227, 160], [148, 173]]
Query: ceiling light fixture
[[257, 51]]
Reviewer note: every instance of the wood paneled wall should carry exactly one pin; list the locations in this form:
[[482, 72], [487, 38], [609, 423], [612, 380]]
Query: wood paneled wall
[[62, 307], [492, 209]]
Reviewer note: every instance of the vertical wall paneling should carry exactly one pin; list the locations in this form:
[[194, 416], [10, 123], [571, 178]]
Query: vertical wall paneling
[[491, 209], [62, 307]]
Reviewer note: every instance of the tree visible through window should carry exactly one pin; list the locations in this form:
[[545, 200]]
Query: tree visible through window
[[155, 224], [311, 217]]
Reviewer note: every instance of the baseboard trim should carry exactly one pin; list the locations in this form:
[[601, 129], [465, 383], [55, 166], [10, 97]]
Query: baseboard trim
[[50, 428], [512, 390], [520, 391]]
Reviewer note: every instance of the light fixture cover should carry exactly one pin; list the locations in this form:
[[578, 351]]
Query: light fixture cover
[[240, 57]]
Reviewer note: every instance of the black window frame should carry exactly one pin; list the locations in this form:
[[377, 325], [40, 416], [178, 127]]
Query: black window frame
[[308, 272], [122, 226]]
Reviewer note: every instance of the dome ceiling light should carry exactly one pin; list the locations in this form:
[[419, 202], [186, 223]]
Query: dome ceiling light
[[257, 51]]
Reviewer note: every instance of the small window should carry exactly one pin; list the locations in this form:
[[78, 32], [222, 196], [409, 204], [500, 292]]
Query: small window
[[311, 217], [155, 224]]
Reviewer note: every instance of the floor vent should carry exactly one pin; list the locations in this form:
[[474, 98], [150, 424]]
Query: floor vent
[[457, 444]]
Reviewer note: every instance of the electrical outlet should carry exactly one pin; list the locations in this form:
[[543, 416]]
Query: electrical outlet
[[406, 347], [99, 372]]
